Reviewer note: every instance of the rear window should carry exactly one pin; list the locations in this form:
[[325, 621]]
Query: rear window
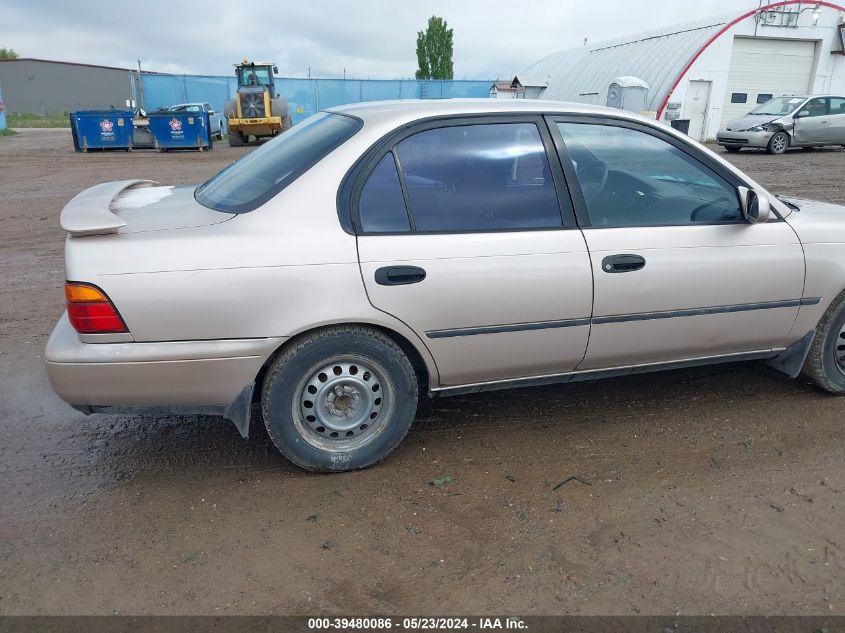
[[249, 182]]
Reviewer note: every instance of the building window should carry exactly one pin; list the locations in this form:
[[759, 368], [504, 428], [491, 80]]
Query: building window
[[739, 97], [763, 98]]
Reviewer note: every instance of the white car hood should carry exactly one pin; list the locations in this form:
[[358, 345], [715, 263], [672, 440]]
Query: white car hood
[[749, 121]]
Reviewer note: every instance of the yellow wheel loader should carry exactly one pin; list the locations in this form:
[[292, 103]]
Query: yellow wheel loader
[[257, 110]]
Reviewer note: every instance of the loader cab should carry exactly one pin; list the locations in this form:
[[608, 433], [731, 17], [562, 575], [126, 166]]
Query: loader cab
[[256, 75]]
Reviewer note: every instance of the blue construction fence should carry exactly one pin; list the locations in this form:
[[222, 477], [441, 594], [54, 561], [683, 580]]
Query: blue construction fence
[[305, 96]]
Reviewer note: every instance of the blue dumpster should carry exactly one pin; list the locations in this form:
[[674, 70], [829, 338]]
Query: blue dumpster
[[101, 129], [180, 130]]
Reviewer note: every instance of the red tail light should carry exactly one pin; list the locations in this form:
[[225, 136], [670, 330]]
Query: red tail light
[[90, 311]]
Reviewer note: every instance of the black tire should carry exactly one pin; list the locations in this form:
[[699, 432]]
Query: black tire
[[236, 139], [821, 365], [779, 143], [733, 148], [294, 374]]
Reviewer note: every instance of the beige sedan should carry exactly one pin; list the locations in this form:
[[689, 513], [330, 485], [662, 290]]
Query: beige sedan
[[381, 251]]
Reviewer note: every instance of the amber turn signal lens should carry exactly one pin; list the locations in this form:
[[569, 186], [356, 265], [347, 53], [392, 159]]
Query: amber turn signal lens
[[90, 311], [76, 293]]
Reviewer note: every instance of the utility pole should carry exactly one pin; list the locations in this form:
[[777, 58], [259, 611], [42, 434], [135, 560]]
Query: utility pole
[[140, 88]]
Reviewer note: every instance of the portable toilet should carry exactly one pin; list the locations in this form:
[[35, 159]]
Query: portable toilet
[[627, 93]]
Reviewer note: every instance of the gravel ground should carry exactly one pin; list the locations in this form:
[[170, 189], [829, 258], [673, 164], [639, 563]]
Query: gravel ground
[[710, 490]]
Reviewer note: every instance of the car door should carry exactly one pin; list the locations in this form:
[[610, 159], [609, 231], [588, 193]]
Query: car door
[[812, 123], [463, 236], [836, 109], [678, 274]]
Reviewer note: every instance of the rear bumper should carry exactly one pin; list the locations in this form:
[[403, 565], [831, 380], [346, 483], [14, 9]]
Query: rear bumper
[[149, 375], [743, 139]]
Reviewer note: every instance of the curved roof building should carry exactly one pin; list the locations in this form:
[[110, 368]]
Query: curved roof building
[[707, 71]]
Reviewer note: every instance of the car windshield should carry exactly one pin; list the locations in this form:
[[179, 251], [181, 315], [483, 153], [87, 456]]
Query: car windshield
[[249, 182], [779, 106]]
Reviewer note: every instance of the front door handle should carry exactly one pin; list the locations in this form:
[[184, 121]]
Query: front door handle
[[622, 263], [399, 275]]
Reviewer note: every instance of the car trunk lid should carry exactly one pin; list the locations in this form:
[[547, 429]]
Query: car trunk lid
[[134, 206]]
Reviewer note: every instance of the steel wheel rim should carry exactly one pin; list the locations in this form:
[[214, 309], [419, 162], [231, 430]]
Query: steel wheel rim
[[839, 350], [779, 143], [343, 403]]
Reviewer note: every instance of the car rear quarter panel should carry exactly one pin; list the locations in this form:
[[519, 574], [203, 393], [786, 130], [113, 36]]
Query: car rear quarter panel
[[277, 271]]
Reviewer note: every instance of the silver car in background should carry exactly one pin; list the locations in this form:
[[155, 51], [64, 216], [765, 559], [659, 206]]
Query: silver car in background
[[785, 122], [384, 251]]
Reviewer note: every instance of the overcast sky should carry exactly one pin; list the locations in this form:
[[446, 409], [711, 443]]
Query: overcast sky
[[372, 39]]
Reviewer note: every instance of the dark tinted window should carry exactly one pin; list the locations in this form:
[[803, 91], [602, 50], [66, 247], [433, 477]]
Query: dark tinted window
[[479, 178], [264, 172], [815, 107], [381, 206], [630, 178], [739, 97], [763, 98]]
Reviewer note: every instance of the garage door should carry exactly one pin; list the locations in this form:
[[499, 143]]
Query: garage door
[[762, 67]]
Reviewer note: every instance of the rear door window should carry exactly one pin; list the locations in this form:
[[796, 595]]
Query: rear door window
[[484, 177], [382, 205], [837, 105]]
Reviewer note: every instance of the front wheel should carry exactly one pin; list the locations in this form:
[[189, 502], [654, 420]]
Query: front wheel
[[825, 363], [778, 144], [339, 399]]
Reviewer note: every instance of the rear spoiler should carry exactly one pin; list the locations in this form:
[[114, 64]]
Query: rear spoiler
[[89, 213]]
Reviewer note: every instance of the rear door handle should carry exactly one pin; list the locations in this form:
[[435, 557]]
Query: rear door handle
[[399, 275], [622, 263]]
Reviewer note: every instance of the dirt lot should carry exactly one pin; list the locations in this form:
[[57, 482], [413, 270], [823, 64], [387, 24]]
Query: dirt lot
[[716, 490]]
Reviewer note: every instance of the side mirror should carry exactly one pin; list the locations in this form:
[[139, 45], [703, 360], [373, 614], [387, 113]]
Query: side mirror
[[275, 70], [755, 207], [802, 114], [211, 111]]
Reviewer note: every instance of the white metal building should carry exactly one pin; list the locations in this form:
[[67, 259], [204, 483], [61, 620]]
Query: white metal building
[[709, 71]]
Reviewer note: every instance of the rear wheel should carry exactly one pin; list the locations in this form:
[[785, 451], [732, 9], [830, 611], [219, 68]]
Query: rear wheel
[[778, 144], [339, 399], [236, 139], [733, 148], [825, 364]]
